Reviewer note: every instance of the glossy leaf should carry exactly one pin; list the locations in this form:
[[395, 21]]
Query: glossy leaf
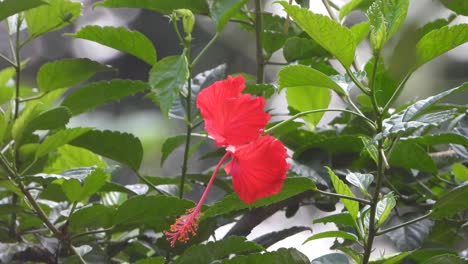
[[392, 259], [99, 93], [384, 208], [342, 188], [409, 237], [360, 31], [166, 78], [343, 219], [170, 145], [451, 203], [298, 48], [215, 251], [281, 256], [272, 238], [439, 41], [362, 181], [330, 234], [222, 10], [92, 183], [94, 216], [69, 157], [335, 258], [435, 24], [352, 5], [383, 83], [66, 73], [333, 37], [53, 16], [458, 6], [460, 171], [385, 17], [11, 7], [264, 90], [59, 139], [120, 38], [128, 151], [438, 139], [163, 6], [411, 156]]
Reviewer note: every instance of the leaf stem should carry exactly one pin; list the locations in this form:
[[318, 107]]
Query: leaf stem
[[269, 130], [205, 49], [361, 87], [258, 41], [148, 183], [91, 232], [33, 97], [381, 232], [372, 83], [397, 92], [363, 201], [7, 60]]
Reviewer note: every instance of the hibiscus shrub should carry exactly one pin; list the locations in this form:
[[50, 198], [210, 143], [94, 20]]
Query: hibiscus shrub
[[382, 169]]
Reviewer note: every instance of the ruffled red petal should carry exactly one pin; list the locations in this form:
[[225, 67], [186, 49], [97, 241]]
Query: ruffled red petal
[[258, 169], [230, 117]]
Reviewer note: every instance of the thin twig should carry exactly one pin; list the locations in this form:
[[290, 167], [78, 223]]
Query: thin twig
[[363, 201], [381, 232], [258, 41]]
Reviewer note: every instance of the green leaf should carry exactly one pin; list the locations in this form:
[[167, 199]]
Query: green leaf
[[59, 139], [92, 183], [460, 171], [163, 6], [128, 151], [386, 17], [215, 251], [362, 181], [343, 219], [222, 10], [328, 234], [360, 31], [451, 203], [421, 255], [281, 256], [53, 16], [170, 145], [150, 211], [392, 259], [272, 238], [420, 107], [412, 156], [411, 236], [231, 202], [166, 78], [66, 73], [384, 83], [435, 24], [264, 90], [438, 139], [342, 188], [69, 157], [354, 4], [329, 34], [384, 208], [458, 6], [444, 259], [439, 41], [157, 260], [11, 7], [94, 216], [335, 258], [300, 76], [18, 130], [120, 38], [99, 93], [297, 48]]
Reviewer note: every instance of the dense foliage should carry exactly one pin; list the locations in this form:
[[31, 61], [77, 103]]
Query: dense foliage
[[399, 171]]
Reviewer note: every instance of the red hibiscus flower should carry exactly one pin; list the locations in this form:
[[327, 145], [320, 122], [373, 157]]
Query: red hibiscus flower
[[258, 163]]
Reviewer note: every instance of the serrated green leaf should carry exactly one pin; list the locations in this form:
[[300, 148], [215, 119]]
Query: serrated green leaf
[[362, 181], [451, 203], [342, 188], [328, 234], [150, 211], [213, 251], [128, 151], [460, 171], [164, 6], [384, 208], [11, 7], [69, 157], [92, 183], [99, 93], [231, 202], [281, 256], [335, 258], [444, 259], [439, 41], [458, 6], [26, 116], [300, 76], [59, 139], [360, 31], [166, 78], [53, 16], [354, 4], [419, 108], [120, 38], [435, 24], [329, 34], [94, 216], [298, 48], [386, 17], [222, 10], [412, 156], [170, 145], [344, 219], [66, 73]]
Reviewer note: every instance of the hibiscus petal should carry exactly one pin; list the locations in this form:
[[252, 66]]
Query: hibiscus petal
[[258, 169], [230, 117]]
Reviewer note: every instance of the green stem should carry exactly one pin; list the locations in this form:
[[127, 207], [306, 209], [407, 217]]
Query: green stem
[[92, 232], [258, 41], [329, 10], [361, 87], [12, 63], [148, 183], [33, 97], [176, 29], [205, 49], [372, 83], [381, 232], [363, 201], [189, 126], [397, 92], [269, 130]]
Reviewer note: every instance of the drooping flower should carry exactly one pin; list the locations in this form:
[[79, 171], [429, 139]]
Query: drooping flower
[[258, 163], [258, 169], [231, 118]]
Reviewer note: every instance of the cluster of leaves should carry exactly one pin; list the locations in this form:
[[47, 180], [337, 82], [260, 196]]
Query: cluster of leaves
[[58, 202]]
